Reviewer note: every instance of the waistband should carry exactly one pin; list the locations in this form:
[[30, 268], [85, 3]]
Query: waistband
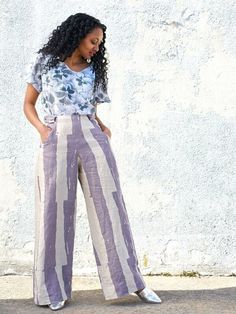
[[52, 118]]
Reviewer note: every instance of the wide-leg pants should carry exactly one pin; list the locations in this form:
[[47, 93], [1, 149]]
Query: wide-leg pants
[[78, 150]]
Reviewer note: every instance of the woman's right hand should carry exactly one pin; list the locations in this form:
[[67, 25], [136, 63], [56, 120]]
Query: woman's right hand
[[44, 133]]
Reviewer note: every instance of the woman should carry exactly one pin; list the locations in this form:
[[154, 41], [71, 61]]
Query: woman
[[70, 72]]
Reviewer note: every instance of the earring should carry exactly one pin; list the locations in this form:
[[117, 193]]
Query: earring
[[88, 60]]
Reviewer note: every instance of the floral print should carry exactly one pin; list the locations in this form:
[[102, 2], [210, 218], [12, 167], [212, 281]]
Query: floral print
[[64, 91]]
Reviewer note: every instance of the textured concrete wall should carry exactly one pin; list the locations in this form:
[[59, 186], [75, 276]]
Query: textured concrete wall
[[172, 116]]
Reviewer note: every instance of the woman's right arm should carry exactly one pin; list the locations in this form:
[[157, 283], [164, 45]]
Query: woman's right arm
[[31, 114]]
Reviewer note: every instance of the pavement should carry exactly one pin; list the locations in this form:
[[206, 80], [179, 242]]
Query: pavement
[[180, 295]]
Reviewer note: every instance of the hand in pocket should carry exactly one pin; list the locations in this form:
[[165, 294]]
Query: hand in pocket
[[45, 133], [107, 132]]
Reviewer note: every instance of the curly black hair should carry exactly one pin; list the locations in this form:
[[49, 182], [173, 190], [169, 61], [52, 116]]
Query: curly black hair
[[66, 38]]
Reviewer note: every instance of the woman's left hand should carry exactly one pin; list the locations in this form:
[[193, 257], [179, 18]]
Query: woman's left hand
[[107, 132]]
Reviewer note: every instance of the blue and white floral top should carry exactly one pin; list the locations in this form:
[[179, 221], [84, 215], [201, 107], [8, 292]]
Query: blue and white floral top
[[64, 91]]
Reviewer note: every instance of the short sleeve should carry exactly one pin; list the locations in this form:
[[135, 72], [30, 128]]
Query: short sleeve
[[101, 95], [33, 72]]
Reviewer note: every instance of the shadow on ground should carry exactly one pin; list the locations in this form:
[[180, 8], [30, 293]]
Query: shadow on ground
[[222, 301]]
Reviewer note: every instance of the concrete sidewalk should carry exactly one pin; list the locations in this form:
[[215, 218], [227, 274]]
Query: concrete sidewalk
[[180, 295]]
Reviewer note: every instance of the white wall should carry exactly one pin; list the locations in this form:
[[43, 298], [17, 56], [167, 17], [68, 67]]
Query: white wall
[[172, 117]]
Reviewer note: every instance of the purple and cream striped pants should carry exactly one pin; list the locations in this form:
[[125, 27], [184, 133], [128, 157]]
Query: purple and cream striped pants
[[77, 149]]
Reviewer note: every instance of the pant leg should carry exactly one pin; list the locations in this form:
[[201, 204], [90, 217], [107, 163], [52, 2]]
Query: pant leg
[[111, 234], [55, 210]]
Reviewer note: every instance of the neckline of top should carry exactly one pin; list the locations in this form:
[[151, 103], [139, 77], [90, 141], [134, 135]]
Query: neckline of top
[[73, 70]]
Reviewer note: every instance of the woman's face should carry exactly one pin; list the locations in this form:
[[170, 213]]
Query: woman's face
[[90, 44]]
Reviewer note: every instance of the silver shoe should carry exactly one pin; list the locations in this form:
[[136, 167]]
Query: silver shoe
[[57, 305], [148, 295]]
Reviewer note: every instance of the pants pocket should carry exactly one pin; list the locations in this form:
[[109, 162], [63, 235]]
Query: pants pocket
[[105, 135], [51, 125]]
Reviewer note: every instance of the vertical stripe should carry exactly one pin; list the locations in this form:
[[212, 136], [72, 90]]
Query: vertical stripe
[[67, 191], [50, 219], [37, 195], [39, 289]]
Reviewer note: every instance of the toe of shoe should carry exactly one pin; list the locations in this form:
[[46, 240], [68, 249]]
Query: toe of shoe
[[57, 305], [148, 295]]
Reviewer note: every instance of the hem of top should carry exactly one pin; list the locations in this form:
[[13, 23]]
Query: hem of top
[[48, 118]]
